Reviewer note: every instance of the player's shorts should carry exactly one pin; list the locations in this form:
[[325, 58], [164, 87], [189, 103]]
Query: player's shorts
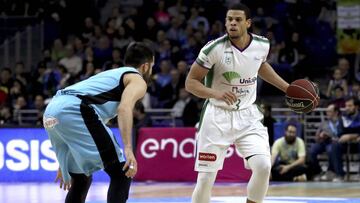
[[219, 128], [81, 141]]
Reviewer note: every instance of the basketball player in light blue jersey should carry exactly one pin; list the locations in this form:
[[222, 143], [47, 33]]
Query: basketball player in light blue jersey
[[75, 122]]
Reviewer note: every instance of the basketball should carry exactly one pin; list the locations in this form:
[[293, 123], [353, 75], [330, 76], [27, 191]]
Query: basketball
[[302, 96]]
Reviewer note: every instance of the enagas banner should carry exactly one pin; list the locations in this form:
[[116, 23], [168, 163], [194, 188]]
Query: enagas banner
[[167, 154]]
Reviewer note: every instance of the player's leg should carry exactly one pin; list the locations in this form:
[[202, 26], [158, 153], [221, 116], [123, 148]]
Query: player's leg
[[118, 191], [80, 184], [212, 141], [253, 144], [204, 184], [108, 153], [260, 166]]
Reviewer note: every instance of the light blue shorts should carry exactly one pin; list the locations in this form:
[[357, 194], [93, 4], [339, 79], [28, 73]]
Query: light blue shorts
[[80, 139]]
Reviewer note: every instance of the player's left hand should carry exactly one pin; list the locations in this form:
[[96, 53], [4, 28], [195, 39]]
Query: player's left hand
[[63, 184], [130, 164]]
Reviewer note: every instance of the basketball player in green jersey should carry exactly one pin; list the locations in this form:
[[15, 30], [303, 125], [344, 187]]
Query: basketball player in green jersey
[[230, 66]]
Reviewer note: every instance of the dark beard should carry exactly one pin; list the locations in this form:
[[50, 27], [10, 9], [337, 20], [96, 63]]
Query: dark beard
[[147, 76], [290, 140]]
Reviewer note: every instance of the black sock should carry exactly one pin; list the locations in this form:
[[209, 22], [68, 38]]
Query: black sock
[[80, 184], [119, 184]]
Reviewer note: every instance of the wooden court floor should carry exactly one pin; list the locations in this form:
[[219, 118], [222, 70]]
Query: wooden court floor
[[310, 192]]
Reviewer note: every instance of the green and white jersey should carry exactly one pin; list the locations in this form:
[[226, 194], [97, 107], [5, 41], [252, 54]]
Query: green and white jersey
[[234, 69]]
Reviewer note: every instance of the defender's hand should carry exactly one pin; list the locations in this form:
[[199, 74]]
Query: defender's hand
[[130, 164], [63, 184]]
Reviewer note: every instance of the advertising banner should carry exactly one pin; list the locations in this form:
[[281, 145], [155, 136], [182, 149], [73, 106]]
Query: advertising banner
[[163, 154], [26, 155], [348, 26], [167, 154]]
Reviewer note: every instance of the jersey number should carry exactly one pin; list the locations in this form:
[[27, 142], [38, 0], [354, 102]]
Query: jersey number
[[238, 104]]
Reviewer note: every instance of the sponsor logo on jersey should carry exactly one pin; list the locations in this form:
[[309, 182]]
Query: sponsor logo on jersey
[[50, 122], [240, 91], [248, 81], [207, 156], [203, 165], [230, 75]]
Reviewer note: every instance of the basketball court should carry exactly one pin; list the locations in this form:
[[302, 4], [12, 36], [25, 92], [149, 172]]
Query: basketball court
[[310, 192]]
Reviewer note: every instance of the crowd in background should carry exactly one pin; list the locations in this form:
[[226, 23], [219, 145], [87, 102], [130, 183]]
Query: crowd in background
[[77, 47], [81, 42]]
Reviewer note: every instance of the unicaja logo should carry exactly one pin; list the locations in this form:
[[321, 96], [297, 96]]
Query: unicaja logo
[[248, 81]]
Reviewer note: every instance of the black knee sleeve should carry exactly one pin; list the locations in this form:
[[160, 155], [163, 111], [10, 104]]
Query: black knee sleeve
[[119, 184], [80, 184]]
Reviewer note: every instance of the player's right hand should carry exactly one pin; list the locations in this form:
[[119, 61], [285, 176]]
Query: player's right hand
[[228, 97], [130, 164]]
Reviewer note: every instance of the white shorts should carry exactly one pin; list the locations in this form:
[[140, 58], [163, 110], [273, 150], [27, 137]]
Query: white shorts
[[219, 128]]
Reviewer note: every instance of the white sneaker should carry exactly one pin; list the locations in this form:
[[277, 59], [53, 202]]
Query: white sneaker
[[328, 176], [338, 179]]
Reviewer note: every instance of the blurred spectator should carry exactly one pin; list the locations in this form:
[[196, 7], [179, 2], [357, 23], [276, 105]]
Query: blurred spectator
[[18, 105], [89, 71], [161, 15], [177, 9], [131, 28], [141, 120], [116, 60], [103, 51], [328, 13], [326, 134], [122, 39], [71, 62], [57, 51], [269, 121], [337, 80], [216, 31], [17, 89], [65, 77], [183, 69], [288, 157], [5, 116], [166, 85], [349, 133], [79, 47], [116, 15], [350, 121], [110, 28], [339, 96], [5, 84], [190, 110], [176, 32], [39, 105], [88, 29], [151, 29], [355, 90], [344, 66], [19, 73], [196, 20]]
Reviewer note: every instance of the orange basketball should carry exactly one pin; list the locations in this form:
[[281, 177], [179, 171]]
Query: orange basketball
[[302, 96]]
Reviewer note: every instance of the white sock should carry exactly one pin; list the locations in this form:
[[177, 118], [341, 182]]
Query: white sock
[[204, 184]]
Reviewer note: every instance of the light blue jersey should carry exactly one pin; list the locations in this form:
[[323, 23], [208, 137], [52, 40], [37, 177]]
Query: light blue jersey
[[103, 91], [75, 122]]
